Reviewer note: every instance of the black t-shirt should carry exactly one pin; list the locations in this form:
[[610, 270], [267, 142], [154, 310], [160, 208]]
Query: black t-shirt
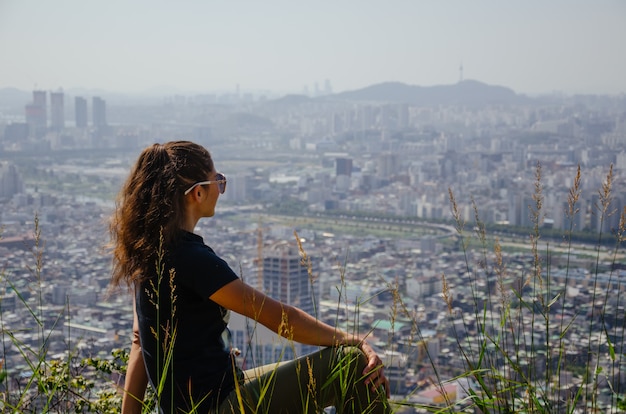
[[174, 303]]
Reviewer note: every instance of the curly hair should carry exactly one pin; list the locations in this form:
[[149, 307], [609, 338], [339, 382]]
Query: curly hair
[[150, 207]]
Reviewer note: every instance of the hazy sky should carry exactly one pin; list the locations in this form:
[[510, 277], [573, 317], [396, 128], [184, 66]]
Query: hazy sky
[[531, 46]]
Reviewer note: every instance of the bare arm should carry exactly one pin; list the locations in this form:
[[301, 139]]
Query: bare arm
[[136, 376], [293, 323]]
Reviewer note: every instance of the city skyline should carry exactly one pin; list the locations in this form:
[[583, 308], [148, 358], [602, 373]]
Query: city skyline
[[532, 47]]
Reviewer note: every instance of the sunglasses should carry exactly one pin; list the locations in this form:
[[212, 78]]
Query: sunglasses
[[220, 180]]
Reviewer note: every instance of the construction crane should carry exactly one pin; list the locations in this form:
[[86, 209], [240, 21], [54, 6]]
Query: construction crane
[[258, 260], [259, 256]]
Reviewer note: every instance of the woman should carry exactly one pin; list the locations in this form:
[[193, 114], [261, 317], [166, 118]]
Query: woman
[[183, 292]]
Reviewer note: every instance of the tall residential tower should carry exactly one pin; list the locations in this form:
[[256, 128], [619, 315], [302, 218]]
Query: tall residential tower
[[37, 114], [80, 111], [57, 111], [99, 110]]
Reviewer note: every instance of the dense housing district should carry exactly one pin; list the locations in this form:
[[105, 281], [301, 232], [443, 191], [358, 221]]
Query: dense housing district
[[345, 205]]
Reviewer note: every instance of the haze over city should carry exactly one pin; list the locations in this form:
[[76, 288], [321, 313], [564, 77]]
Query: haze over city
[[449, 177], [532, 47]]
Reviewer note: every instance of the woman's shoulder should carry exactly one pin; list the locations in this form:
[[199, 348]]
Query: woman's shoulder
[[192, 260], [193, 243], [192, 248]]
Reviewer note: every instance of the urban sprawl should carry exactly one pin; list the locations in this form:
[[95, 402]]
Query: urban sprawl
[[385, 210]]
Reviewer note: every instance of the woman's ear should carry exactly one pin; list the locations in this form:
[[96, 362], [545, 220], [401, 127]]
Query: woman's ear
[[196, 194], [199, 193]]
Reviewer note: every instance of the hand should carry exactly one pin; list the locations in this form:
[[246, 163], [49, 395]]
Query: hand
[[374, 370]]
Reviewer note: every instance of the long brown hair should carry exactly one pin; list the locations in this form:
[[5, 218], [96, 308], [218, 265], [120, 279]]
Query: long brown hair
[[150, 207]]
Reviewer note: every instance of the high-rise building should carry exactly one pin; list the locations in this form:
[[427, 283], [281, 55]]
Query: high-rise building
[[287, 279], [57, 111], [37, 114], [80, 111], [39, 98], [99, 110], [522, 209], [11, 181], [343, 166]]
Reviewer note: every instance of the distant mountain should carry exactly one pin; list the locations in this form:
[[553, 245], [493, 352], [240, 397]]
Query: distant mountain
[[467, 92], [13, 98], [292, 99]]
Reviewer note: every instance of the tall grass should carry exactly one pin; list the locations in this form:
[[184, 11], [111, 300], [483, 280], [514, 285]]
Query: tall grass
[[38, 382], [520, 357], [524, 344]]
